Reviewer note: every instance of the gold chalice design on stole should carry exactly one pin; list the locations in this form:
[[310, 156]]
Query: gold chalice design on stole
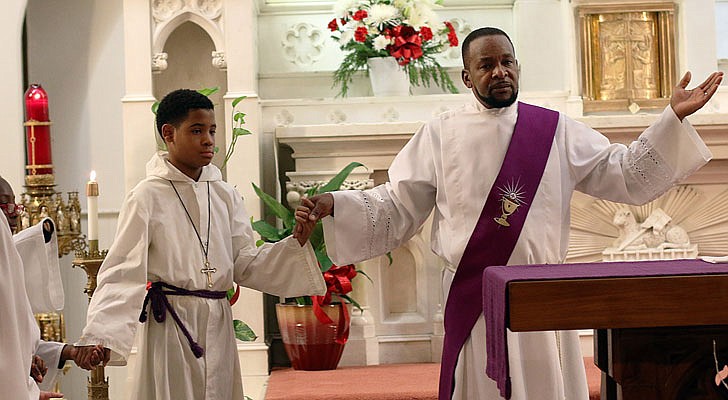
[[508, 206]]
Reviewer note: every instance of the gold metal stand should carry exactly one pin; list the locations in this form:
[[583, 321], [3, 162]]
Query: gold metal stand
[[41, 200], [90, 261]]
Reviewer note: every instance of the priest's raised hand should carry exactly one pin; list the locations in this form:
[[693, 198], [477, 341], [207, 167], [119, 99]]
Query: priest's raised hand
[[685, 102]]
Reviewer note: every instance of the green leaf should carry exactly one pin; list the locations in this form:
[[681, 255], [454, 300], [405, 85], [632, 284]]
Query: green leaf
[[241, 132], [155, 107], [278, 209], [325, 262], [317, 237], [389, 257], [208, 91], [303, 301], [266, 231], [216, 149], [335, 182], [243, 331], [259, 243], [238, 100], [360, 272], [352, 301], [239, 117], [312, 190]]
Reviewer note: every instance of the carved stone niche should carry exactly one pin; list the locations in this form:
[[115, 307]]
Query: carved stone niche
[[628, 55]]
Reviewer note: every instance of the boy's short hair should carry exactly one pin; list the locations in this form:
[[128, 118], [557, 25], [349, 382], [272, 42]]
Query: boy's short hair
[[175, 106]]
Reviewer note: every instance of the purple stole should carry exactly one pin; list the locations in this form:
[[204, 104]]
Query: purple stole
[[496, 232]]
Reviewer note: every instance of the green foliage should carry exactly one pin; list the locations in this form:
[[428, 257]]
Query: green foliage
[[422, 72], [270, 233], [238, 119], [243, 331], [354, 61]]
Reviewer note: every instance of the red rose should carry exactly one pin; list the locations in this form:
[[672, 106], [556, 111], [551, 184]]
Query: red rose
[[333, 26], [360, 15], [426, 33], [360, 35]]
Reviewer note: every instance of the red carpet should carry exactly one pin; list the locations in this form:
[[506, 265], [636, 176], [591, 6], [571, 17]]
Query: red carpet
[[381, 382]]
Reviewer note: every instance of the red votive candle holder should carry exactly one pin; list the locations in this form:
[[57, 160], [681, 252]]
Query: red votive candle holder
[[37, 132]]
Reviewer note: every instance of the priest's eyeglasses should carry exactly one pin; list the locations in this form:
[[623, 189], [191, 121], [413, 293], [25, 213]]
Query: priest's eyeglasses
[[12, 209]]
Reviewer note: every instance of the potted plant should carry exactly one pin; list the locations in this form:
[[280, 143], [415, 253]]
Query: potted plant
[[406, 32], [314, 328]]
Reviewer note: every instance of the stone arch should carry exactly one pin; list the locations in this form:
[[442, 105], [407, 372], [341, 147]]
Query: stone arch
[[164, 29]]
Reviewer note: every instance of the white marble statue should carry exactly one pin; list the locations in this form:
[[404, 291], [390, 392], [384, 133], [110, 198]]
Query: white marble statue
[[656, 232]]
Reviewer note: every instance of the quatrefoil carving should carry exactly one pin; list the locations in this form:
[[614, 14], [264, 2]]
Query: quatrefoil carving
[[303, 44]]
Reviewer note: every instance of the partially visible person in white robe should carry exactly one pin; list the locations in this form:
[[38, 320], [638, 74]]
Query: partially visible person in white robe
[[448, 168], [157, 242], [37, 247], [19, 333]]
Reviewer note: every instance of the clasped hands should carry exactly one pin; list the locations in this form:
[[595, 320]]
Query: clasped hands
[[309, 212], [90, 357], [86, 357]]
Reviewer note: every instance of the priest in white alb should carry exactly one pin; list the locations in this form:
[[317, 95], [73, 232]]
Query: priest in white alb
[[498, 176]]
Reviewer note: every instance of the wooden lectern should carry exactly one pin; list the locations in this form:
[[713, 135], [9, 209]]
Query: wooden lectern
[[655, 335]]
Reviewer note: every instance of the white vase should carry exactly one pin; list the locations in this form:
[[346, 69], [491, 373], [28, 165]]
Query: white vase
[[387, 77]]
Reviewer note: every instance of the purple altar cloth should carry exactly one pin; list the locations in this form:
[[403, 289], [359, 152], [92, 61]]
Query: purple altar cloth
[[495, 285]]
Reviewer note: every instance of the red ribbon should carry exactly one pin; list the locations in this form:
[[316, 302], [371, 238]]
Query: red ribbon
[[407, 44], [338, 281]]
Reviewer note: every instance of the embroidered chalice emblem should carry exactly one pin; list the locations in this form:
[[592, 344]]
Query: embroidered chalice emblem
[[511, 199]]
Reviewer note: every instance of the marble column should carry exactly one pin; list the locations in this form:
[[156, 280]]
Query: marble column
[[696, 39], [241, 56], [138, 120], [539, 41], [11, 84]]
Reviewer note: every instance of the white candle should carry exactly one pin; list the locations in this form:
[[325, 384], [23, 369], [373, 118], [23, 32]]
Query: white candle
[[92, 206]]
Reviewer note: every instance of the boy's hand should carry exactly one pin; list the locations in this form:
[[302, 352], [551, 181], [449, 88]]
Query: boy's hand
[[309, 212], [50, 395], [38, 369], [302, 231]]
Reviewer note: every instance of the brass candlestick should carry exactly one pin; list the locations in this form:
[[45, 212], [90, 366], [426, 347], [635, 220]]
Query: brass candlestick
[[90, 260], [41, 200]]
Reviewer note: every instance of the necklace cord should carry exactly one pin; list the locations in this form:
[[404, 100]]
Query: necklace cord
[[205, 247]]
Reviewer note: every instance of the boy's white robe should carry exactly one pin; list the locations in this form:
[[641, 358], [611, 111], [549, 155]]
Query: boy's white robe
[[155, 241], [450, 165], [19, 333]]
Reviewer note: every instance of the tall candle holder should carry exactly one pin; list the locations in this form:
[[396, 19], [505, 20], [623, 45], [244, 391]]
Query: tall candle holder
[[41, 199], [90, 260]]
